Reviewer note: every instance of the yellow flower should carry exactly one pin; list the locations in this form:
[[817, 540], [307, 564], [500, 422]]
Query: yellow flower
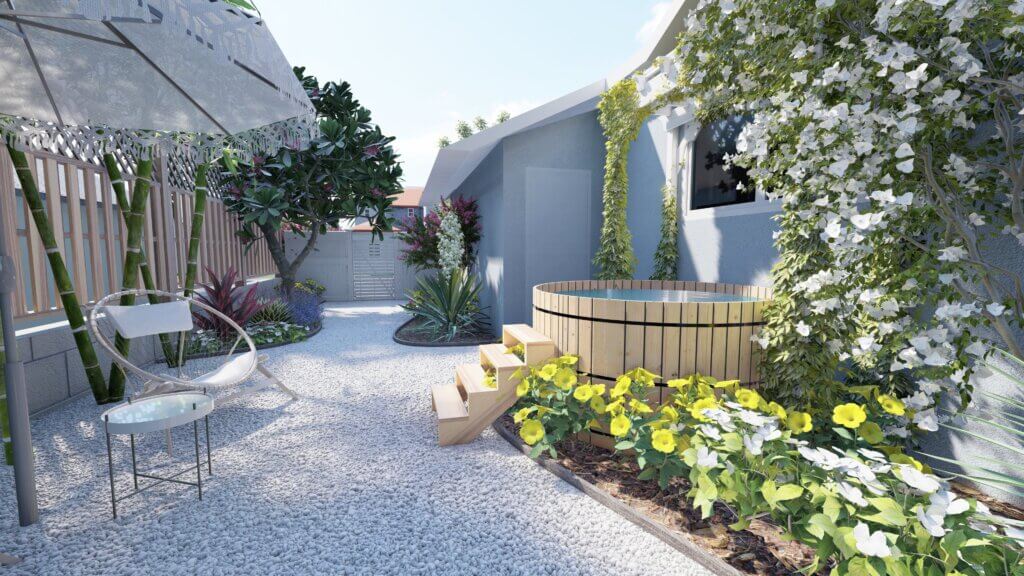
[[522, 388], [663, 441], [620, 426], [532, 432], [669, 413], [644, 377], [704, 390], [697, 408], [892, 405], [639, 407], [565, 378], [598, 405], [776, 410], [748, 398], [598, 389], [849, 415], [583, 393], [522, 414], [799, 422], [622, 385], [569, 359], [615, 407], [548, 372]]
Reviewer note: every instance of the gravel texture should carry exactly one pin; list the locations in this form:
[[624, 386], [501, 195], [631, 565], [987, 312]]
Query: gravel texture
[[347, 480]]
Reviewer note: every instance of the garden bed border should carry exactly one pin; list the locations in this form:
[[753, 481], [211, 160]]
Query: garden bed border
[[710, 562]]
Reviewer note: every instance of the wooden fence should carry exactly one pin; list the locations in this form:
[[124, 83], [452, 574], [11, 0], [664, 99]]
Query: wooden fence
[[94, 235]]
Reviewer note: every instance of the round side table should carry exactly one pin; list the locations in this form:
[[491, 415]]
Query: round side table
[[152, 414]]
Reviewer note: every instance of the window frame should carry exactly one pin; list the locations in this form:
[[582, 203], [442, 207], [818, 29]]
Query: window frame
[[683, 133]]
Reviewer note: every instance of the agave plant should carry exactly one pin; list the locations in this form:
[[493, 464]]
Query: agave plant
[[1003, 415], [235, 302], [448, 306], [272, 311]]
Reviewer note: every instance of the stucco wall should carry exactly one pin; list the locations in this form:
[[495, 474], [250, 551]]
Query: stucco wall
[[575, 143], [485, 185], [647, 174]]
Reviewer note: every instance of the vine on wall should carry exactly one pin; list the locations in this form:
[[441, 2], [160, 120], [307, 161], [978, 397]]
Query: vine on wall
[[666, 257], [621, 118]]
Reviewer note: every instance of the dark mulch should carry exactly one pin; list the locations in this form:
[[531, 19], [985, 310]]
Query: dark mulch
[[760, 549], [412, 333]]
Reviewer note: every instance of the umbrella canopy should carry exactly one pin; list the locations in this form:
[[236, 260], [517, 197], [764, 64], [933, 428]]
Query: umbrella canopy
[[185, 73]]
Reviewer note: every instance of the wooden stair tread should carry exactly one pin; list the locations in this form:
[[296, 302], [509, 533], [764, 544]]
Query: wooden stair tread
[[448, 402], [496, 356], [471, 376], [525, 334]]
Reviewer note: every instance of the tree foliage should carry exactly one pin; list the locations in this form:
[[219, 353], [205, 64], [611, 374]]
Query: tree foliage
[[350, 171]]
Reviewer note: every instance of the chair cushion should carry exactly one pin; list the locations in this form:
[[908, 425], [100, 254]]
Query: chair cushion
[[150, 319], [232, 372]]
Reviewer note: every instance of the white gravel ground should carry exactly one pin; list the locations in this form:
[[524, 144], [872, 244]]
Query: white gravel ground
[[347, 480]]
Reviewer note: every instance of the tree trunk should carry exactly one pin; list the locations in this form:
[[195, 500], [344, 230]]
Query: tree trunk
[[5, 424], [61, 278], [286, 270], [196, 233], [147, 275], [130, 275]]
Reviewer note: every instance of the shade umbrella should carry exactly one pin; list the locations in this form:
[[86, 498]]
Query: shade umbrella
[[189, 78]]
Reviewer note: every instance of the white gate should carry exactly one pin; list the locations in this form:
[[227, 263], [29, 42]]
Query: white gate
[[373, 267]]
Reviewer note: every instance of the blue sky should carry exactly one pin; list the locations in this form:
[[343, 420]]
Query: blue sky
[[421, 65]]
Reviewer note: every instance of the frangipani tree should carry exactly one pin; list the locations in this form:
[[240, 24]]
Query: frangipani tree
[[350, 171], [889, 130]]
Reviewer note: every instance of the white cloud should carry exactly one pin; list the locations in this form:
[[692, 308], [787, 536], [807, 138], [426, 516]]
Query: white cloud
[[648, 33]]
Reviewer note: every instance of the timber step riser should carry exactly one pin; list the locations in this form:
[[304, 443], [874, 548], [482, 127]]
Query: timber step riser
[[467, 406]]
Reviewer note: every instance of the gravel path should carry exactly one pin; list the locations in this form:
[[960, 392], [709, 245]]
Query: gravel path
[[347, 480]]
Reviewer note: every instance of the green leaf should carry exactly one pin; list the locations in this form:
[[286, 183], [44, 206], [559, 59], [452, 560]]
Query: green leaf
[[820, 525], [890, 513], [625, 445], [788, 492]]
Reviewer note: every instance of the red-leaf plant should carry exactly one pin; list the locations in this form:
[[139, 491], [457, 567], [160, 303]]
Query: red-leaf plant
[[235, 302]]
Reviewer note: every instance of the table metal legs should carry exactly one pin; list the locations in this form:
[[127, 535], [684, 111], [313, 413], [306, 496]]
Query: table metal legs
[[161, 479]]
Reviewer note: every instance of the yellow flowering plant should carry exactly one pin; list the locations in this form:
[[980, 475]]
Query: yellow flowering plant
[[555, 403]]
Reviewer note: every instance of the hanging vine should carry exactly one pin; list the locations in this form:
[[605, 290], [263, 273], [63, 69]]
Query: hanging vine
[[621, 118], [666, 257]]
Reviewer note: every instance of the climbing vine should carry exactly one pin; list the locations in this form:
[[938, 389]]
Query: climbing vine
[[887, 129], [621, 118], [666, 257]]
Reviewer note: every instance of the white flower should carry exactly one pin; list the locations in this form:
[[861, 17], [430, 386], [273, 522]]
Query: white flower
[[904, 151], [706, 458], [852, 493], [803, 329], [952, 254], [871, 544], [753, 418], [932, 522], [916, 479], [753, 443], [995, 309], [927, 420]]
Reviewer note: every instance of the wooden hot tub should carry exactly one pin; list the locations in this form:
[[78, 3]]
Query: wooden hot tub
[[671, 328]]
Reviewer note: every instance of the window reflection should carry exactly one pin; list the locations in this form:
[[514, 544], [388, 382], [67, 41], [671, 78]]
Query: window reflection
[[713, 183]]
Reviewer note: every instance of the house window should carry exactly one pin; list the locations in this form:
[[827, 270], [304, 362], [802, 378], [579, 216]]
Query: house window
[[411, 213], [713, 183]]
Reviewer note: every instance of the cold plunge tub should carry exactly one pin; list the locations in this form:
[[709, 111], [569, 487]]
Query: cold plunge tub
[[671, 328]]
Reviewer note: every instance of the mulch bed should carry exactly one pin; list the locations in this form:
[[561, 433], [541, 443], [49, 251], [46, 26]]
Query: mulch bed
[[412, 334], [760, 549]]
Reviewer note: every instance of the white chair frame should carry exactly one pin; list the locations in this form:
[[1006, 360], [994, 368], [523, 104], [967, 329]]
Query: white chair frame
[[150, 378]]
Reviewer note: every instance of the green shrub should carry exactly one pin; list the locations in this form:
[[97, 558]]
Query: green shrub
[[864, 507], [448, 307], [272, 311]]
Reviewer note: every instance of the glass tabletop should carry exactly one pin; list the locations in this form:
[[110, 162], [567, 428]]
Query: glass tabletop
[[158, 408]]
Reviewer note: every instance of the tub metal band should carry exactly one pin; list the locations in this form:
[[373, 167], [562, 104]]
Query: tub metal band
[[645, 323]]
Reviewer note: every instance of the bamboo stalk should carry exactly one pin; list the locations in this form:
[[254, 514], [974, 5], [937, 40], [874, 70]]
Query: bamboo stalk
[[195, 234], [133, 252], [121, 191], [60, 277]]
